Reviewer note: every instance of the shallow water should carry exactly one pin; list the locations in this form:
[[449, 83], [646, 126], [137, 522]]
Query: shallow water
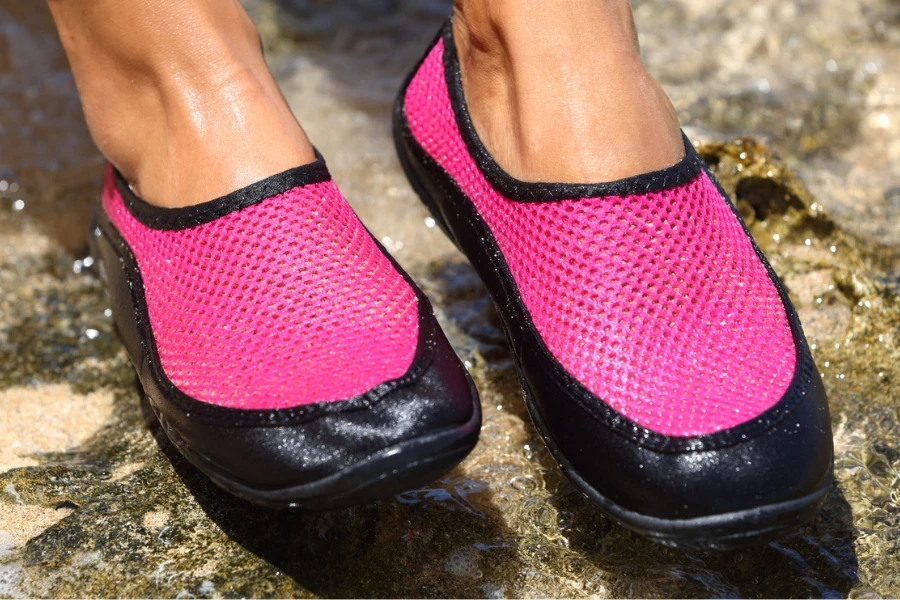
[[99, 503]]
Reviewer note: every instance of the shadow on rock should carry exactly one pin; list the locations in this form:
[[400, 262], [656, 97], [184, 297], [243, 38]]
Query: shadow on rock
[[426, 542], [819, 560]]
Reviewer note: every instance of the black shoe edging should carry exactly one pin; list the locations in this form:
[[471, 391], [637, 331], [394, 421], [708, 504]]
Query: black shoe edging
[[211, 414], [678, 174], [158, 217], [601, 411]]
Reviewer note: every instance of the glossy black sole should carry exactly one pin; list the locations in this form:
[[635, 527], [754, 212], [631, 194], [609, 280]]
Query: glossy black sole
[[406, 465], [724, 531]]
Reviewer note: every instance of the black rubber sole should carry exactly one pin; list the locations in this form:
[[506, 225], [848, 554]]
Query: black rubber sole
[[400, 468], [724, 531], [390, 471]]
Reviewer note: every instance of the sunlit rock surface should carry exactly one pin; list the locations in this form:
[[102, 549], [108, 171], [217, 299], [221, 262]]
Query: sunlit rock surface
[[94, 501]]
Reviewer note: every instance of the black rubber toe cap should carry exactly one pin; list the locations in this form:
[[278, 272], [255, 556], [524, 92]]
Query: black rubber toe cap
[[790, 460], [279, 448]]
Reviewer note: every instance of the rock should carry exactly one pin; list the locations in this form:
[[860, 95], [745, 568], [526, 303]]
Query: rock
[[100, 504]]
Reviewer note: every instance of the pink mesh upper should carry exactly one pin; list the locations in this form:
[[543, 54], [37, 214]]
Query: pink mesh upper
[[283, 303], [657, 303]]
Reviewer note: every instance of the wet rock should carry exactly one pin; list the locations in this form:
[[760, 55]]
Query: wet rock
[[813, 79], [52, 417], [105, 506]]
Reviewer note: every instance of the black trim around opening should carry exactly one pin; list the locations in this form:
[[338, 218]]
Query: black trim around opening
[[678, 174], [158, 217]]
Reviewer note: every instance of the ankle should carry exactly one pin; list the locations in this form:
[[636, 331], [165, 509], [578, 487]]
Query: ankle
[[181, 101], [212, 137], [522, 29], [182, 137], [531, 72]]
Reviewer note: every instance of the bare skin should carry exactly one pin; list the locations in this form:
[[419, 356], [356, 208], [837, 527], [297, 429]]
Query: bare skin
[[178, 97], [558, 92]]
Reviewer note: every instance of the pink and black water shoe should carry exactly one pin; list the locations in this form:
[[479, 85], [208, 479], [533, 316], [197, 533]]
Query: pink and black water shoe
[[285, 353], [661, 358]]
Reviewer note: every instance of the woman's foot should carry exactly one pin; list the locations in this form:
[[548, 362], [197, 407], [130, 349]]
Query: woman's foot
[[661, 358], [284, 352], [557, 90], [178, 97]]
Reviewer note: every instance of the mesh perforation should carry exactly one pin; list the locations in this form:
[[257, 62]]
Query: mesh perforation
[[283, 303]]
